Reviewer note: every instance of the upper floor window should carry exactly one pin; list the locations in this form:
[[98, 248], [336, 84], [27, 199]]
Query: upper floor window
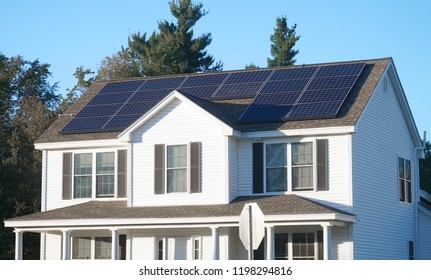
[[281, 167], [88, 175], [177, 168], [404, 180]]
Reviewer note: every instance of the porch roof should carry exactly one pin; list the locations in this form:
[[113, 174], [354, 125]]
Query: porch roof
[[117, 210]]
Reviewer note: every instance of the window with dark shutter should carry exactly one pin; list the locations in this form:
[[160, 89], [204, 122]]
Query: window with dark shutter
[[322, 165], [122, 173], [159, 169], [258, 167], [67, 176], [195, 167]]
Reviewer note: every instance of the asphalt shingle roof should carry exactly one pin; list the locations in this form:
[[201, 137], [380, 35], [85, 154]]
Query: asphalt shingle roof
[[229, 111], [270, 205]]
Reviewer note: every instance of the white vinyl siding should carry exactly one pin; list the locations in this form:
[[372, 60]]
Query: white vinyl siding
[[175, 124], [423, 251], [381, 137]]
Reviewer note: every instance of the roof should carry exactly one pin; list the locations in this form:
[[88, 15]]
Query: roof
[[270, 205], [230, 110]]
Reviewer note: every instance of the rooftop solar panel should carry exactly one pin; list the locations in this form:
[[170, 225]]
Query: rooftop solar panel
[[202, 92], [238, 90], [312, 110], [265, 113], [204, 80], [331, 94], [149, 95], [162, 83], [340, 70], [110, 98], [248, 77], [293, 73], [120, 122], [79, 125], [277, 98], [122, 86], [284, 86], [98, 111], [136, 108]]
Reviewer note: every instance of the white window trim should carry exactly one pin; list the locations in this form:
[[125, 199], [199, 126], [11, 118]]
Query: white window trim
[[92, 248], [199, 239], [289, 164], [93, 173], [188, 168]]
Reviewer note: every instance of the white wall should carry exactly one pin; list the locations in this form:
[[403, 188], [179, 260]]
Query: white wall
[[385, 225], [180, 123], [423, 246]]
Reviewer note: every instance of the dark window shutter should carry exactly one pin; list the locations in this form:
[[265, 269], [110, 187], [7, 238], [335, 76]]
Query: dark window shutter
[[159, 169], [322, 164], [67, 176], [257, 167], [195, 167], [122, 173]]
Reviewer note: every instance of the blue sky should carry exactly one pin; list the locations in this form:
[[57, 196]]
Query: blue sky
[[68, 34]]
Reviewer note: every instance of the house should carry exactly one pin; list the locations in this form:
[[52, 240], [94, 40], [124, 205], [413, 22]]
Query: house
[[163, 168]]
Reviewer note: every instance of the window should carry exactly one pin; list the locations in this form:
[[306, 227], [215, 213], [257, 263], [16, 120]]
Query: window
[[281, 246], [103, 247], [196, 248], [283, 167], [161, 252], [82, 175], [302, 166], [81, 248], [303, 246], [276, 167], [105, 174], [95, 175], [177, 168], [404, 180]]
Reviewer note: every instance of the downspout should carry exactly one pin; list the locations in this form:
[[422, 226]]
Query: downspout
[[417, 196]]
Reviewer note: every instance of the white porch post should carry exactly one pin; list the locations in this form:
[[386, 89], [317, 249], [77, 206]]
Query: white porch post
[[115, 244], [18, 244], [66, 245], [270, 242], [216, 243], [327, 243]]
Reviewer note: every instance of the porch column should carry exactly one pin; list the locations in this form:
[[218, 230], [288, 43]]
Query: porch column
[[270, 242], [66, 245], [216, 243], [115, 244], [18, 244], [327, 242]]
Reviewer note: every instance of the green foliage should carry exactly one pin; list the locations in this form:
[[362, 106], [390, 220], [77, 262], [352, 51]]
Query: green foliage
[[27, 109], [173, 50], [283, 41], [251, 66], [123, 64], [425, 169], [82, 84]]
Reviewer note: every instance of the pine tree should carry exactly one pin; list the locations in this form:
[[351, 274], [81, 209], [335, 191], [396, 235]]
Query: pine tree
[[173, 50], [283, 41]]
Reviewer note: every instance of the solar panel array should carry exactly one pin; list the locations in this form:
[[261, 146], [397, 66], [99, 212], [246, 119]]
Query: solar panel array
[[279, 94]]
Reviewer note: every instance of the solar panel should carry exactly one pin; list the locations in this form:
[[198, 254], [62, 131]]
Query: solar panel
[[202, 92], [293, 73], [205, 80], [121, 86], [248, 77], [110, 98], [120, 122], [280, 94], [315, 110], [284, 86], [238, 90]]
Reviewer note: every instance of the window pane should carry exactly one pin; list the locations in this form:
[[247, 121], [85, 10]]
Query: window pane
[[81, 248], [302, 178], [177, 180], [105, 173], [177, 156], [82, 186], [302, 153], [160, 250], [303, 246], [103, 247], [82, 164], [401, 168], [408, 171], [281, 246], [276, 179], [276, 155]]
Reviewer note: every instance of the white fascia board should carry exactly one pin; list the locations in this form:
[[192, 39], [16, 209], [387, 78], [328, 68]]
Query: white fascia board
[[300, 132], [107, 143], [145, 222], [127, 133], [308, 218]]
